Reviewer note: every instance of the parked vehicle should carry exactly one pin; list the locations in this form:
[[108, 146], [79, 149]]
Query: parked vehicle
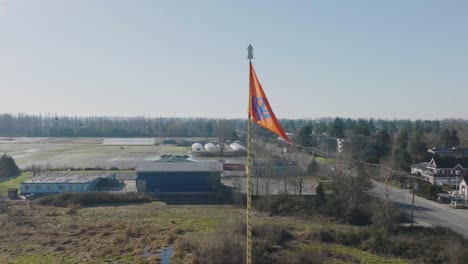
[[457, 203], [443, 198]]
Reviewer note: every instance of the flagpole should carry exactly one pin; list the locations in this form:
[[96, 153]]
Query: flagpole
[[249, 166]]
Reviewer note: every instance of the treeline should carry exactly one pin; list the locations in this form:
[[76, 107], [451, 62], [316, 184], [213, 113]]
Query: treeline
[[23, 125], [400, 142]]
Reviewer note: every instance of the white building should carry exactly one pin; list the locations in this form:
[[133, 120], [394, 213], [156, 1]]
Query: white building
[[463, 190], [419, 168]]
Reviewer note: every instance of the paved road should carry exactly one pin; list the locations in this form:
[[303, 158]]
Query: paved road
[[427, 212]]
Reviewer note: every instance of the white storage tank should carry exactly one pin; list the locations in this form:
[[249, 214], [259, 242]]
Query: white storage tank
[[237, 147], [210, 147], [197, 147]]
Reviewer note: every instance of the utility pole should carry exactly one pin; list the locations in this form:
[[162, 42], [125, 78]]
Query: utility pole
[[412, 203]]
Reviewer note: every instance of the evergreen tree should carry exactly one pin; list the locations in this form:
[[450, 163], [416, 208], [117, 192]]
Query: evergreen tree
[[337, 128], [402, 140], [445, 138], [403, 159], [418, 151], [362, 128], [320, 193], [383, 143], [304, 137], [371, 126], [312, 168], [454, 140]]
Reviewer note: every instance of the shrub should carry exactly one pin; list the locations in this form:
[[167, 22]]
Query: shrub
[[73, 209], [133, 231], [3, 208], [285, 205], [357, 216], [275, 235], [90, 198]]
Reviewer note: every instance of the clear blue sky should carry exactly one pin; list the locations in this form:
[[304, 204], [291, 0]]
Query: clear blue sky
[[382, 59]]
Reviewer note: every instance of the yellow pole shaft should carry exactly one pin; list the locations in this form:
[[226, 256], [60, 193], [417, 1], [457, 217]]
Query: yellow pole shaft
[[249, 193], [249, 177]]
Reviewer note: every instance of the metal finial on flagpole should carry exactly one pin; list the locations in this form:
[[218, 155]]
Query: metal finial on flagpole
[[250, 52]]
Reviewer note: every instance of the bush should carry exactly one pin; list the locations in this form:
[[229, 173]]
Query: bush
[[422, 245], [90, 198], [73, 209], [275, 235], [285, 205], [357, 216], [3, 208], [428, 190]]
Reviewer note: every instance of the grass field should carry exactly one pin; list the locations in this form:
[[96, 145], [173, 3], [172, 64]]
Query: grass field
[[81, 153], [122, 234], [323, 160], [13, 183], [64, 153]]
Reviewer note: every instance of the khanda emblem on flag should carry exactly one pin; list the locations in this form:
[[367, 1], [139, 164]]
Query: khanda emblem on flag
[[259, 108]]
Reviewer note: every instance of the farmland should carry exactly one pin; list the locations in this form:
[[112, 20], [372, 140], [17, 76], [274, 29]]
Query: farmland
[[80, 152]]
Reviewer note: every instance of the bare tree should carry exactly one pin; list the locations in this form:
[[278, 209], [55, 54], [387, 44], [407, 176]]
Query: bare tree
[[385, 176], [301, 161]]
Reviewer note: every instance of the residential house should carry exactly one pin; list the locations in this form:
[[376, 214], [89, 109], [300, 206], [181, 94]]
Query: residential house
[[441, 171], [419, 168]]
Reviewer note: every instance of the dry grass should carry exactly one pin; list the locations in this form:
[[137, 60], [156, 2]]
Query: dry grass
[[98, 234], [199, 233]]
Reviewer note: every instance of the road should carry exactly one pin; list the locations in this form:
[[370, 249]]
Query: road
[[426, 212]]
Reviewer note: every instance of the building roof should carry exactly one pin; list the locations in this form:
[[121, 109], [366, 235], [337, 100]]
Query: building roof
[[459, 151], [68, 177], [450, 162], [465, 178], [421, 165], [172, 166], [129, 141]]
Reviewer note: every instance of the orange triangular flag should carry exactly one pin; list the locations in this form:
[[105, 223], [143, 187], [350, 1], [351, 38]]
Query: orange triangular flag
[[260, 109]]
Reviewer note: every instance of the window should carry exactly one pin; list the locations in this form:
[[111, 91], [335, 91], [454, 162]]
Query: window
[[60, 187], [38, 187], [26, 187], [49, 187]]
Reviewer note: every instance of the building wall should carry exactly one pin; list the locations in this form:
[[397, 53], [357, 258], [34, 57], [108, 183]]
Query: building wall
[[178, 181], [446, 180], [28, 188], [416, 170], [464, 189]]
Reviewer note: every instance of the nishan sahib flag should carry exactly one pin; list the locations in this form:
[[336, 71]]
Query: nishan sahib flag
[[259, 108]]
